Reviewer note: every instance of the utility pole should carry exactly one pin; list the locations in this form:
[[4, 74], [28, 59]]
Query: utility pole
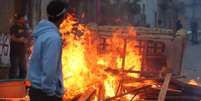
[[194, 6], [98, 7]]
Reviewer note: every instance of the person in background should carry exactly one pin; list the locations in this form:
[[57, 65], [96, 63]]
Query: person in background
[[18, 34], [178, 25], [45, 67], [194, 29]]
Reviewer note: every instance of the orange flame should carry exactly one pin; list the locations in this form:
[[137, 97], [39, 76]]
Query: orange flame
[[193, 82], [84, 67], [110, 86]]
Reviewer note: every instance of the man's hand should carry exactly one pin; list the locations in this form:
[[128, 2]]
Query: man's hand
[[23, 40], [20, 40]]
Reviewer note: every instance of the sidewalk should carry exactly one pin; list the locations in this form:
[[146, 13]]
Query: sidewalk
[[192, 62]]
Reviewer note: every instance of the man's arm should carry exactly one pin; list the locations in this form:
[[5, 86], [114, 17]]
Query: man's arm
[[13, 32], [50, 58], [16, 39]]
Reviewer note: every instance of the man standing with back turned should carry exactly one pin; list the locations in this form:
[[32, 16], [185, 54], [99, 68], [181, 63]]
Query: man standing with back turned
[[45, 71]]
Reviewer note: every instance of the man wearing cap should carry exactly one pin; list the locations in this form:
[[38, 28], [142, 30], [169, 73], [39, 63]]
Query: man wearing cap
[[45, 71]]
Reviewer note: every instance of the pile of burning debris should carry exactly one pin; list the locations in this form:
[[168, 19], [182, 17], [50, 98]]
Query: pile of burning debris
[[113, 63], [122, 64]]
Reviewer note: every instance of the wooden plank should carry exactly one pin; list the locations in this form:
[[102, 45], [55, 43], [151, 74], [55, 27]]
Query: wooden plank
[[164, 88], [87, 95], [124, 54], [101, 92], [138, 29], [169, 90], [139, 36], [129, 92]]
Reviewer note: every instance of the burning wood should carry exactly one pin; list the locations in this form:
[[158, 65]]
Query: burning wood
[[83, 62], [193, 82], [164, 88], [88, 95], [131, 91], [111, 68]]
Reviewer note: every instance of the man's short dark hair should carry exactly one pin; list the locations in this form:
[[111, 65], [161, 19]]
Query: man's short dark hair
[[56, 10]]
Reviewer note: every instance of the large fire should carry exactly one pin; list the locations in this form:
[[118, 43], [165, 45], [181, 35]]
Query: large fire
[[84, 66]]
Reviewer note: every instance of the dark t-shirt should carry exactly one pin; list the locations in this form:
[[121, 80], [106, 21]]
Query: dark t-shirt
[[18, 48]]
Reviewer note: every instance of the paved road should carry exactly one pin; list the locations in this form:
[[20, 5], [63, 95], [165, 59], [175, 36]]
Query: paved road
[[192, 62]]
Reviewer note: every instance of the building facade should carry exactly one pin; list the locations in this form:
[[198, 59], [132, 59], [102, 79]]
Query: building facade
[[149, 9], [193, 8]]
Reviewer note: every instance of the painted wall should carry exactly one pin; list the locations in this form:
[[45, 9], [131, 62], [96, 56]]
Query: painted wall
[[6, 13], [4, 50]]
